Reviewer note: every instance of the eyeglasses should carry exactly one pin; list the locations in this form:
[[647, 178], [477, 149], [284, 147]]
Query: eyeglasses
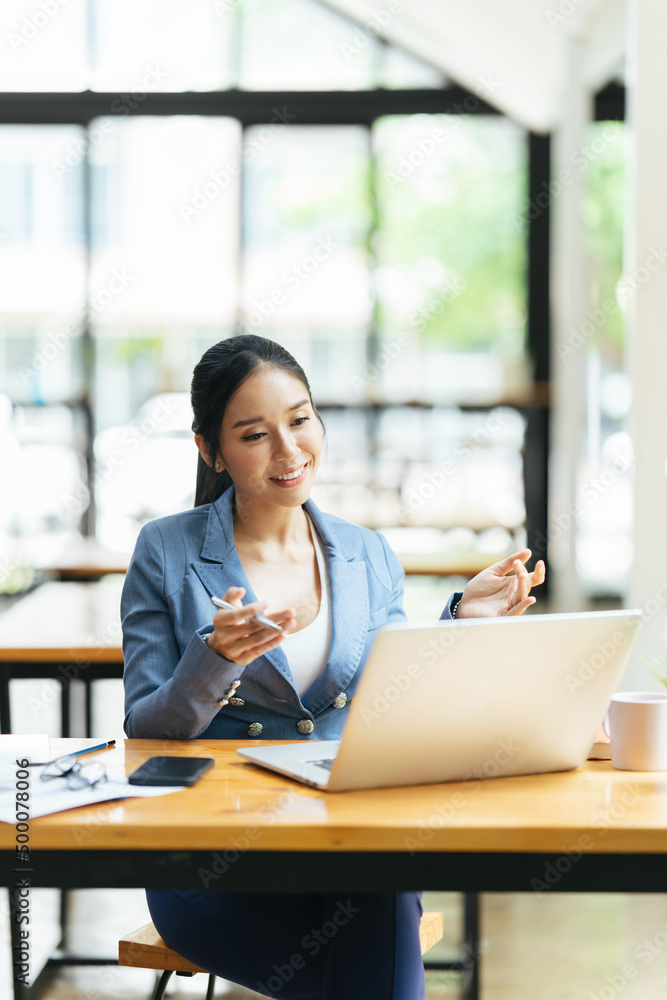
[[78, 775]]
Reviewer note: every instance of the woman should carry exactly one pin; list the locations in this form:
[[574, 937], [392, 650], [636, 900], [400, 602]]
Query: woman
[[190, 673]]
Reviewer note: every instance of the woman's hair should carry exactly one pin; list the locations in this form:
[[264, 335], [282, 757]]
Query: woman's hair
[[221, 371]]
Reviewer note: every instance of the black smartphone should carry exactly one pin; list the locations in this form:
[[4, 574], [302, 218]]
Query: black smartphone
[[171, 771]]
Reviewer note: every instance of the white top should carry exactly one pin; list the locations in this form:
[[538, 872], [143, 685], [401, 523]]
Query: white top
[[307, 651]]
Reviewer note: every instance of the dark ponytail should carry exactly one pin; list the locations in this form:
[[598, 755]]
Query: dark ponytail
[[221, 371]]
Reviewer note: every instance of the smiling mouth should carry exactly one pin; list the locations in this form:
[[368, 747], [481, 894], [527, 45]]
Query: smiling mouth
[[287, 476]]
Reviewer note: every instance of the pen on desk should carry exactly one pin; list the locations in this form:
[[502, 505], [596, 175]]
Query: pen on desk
[[100, 746], [262, 619], [75, 753]]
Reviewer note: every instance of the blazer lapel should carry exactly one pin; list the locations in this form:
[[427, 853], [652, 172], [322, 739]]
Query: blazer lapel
[[348, 589], [220, 567]]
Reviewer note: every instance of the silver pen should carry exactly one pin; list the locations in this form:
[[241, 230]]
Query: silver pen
[[262, 619]]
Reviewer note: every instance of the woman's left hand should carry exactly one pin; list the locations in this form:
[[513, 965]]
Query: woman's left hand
[[502, 589]]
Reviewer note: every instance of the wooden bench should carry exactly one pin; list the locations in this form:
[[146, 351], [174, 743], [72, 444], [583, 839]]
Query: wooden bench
[[145, 949]]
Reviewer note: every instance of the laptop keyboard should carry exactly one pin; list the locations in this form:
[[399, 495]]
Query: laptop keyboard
[[324, 763]]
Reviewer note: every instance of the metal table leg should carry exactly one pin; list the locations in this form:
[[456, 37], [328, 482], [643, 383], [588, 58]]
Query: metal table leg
[[17, 945], [468, 963], [5, 712], [64, 706], [88, 688], [471, 946]]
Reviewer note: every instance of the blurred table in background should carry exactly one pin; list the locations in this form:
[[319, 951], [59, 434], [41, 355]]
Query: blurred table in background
[[66, 632], [438, 564], [86, 559], [457, 551], [420, 550]]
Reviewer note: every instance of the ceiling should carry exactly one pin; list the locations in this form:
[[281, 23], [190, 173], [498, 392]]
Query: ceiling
[[513, 53]]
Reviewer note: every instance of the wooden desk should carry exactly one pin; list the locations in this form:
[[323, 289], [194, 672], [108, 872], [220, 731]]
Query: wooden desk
[[243, 828], [63, 631], [197, 836]]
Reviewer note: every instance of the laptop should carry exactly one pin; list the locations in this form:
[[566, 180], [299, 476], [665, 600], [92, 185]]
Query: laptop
[[468, 699]]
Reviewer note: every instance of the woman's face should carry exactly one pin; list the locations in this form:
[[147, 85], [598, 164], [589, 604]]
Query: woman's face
[[270, 430]]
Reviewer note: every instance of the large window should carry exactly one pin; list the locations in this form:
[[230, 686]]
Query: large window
[[381, 253], [198, 45], [604, 529]]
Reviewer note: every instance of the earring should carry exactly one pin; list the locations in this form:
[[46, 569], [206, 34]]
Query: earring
[[217, 466]]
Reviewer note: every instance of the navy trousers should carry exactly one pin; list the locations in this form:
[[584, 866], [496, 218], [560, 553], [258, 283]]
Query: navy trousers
[[305, 946]]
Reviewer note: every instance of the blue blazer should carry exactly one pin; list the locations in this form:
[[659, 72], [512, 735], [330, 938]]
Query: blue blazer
[[174, 681]]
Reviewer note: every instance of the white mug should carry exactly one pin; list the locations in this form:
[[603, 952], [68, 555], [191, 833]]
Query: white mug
[[637, 726]]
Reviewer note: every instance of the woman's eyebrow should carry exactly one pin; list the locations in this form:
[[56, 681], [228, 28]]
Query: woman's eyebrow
[[258, 420]]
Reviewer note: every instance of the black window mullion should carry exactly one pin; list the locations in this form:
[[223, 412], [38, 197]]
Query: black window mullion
[[257, 107], [536, 446], [344, 107]]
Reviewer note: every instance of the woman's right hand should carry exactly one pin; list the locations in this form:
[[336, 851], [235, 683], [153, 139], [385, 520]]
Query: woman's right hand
[[241, 640]]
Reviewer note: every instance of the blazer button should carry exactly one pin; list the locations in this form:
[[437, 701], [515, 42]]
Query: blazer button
[[340, 701], [305, 727], [225, 701], [236, 701], [255, 729]]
